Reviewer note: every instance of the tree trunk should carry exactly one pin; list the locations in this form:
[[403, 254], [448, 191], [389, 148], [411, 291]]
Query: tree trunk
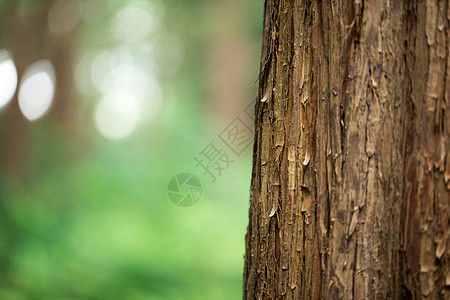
[[228, 52], [351, 170]]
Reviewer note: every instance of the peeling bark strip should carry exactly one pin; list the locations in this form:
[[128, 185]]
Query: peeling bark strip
[[350, 195]]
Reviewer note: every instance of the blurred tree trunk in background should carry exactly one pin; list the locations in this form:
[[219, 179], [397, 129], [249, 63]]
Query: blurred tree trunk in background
[[60, 49], [63, 59], [351, 169], [229, 58], [29, 40], [14, 126]]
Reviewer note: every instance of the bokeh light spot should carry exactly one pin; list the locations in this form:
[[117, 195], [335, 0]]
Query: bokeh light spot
[[8, 78], [117, 115], [151, 100], [37, 90], [135, 22]]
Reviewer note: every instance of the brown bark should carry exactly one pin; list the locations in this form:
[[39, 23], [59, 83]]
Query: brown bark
[[351, 171]]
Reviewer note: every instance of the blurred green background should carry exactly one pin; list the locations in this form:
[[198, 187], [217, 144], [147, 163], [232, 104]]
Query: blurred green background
[[102, 102]]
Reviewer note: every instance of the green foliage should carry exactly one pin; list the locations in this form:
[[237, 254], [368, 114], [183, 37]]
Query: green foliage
[[104, 228], [93, 220]]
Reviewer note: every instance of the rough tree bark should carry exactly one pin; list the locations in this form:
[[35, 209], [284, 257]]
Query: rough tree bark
[[350, 187]]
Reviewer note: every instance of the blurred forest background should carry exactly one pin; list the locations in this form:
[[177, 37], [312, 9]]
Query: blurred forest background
[[102, 102]]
